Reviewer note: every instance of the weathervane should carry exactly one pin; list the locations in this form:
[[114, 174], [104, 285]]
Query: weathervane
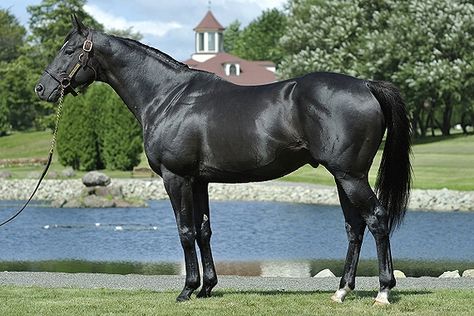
[[209, 5]]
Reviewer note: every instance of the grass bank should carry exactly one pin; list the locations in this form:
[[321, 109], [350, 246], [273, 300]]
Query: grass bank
[[41, 301], [411, 268], [438, 162]]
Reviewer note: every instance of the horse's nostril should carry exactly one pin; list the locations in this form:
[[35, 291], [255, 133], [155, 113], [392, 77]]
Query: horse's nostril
[[39, 88]]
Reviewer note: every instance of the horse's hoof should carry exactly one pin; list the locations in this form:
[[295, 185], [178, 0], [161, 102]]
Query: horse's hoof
[[336, 299], [203, 293], [381, 303], [382, 298], [182, 298]]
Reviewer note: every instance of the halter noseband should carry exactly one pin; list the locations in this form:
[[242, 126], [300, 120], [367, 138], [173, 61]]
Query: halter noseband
[[65, 79]]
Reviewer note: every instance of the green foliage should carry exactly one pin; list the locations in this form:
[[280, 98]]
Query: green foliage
[[4, 121], [127, 33], [121, 135], [425, 46], [11, 36], [231, 36], [97, 130], [17, 80], [119, 132], [260, 39], [50, 21], [77, 141]]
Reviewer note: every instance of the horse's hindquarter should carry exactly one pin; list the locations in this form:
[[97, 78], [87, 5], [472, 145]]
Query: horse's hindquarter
[[344, 123]]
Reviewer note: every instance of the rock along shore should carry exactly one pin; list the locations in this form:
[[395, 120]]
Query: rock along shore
[[152, 189]]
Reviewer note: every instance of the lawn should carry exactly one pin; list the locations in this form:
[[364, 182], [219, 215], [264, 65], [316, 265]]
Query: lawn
[[438, 162], [40, 301]]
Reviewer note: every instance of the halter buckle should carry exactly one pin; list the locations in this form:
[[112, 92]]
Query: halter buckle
[[87, 46]]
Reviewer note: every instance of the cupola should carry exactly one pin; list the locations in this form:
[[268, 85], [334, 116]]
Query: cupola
[[209, 38]]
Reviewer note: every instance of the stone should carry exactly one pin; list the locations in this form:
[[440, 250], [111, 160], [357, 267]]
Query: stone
[[114, 191], [450, 275], [58, 203], [469, 273], [326, 273], [95, 178], [74, 203], [399, 274], [5, 175], [94, 201], [68, 173]]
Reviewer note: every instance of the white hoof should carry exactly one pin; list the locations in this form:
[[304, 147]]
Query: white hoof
[[382, 299], [340, 295]]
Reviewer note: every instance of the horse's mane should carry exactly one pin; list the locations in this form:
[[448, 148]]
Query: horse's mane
[[151, 51]]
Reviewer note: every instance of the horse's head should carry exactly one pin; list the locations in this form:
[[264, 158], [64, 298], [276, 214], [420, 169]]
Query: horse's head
[[74, 66]]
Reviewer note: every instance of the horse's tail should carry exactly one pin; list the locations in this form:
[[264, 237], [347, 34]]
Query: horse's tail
[[394, 175]]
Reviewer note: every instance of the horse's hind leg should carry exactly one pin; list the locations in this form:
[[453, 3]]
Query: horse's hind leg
[[179, 190], [360, 195], [355, 227], [203, 230]]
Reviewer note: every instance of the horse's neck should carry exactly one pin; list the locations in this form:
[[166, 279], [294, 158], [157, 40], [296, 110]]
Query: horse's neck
[[141, 77]]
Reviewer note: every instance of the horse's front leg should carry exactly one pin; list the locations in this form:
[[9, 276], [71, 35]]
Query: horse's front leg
[[203, 229], [179, 190]]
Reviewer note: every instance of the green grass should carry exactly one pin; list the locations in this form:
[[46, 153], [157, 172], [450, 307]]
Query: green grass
[[40, 301], [438, 162]]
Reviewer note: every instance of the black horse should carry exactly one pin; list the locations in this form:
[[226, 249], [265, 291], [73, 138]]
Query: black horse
[[199, 128]]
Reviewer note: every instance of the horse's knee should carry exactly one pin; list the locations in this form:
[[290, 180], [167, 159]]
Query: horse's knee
[[187, 237], [204, 236]]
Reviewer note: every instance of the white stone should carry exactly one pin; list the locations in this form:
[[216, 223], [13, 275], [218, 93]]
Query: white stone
[[469, 273], [326, 273], [450, 275], [399, 274]]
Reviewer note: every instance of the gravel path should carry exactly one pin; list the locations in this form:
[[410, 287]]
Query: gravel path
[[165, 283]]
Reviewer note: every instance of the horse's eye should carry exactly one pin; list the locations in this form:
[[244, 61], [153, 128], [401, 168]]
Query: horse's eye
[[69, 51]]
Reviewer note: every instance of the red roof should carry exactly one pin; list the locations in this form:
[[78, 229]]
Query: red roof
[[251, 72], [209, 22]]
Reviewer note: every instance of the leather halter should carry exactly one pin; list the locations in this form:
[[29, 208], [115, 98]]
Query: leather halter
[[65, 79]]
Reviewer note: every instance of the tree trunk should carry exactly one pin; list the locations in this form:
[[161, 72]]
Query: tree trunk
[[447, 114]]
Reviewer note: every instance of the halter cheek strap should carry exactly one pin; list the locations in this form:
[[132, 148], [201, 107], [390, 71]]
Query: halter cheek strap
[[65, 79]]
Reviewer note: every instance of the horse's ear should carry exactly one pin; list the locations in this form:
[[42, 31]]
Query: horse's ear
[[78, 25]]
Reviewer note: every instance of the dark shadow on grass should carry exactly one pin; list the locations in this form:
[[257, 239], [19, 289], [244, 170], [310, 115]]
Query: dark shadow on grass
[[395, 296]]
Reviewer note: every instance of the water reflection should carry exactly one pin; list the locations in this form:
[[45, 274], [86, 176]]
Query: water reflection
[[278, 268]]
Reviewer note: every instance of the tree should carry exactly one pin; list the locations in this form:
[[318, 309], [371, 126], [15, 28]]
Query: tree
[[127, 33], [231, 36], [77, 140], [97, 131], [50, 21], [11, 40], [4, 121], [260, 39], [12, 36], [425, 47], [121, 135], [16, 93]]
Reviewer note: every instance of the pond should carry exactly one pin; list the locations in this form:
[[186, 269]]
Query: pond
[[242, 232]]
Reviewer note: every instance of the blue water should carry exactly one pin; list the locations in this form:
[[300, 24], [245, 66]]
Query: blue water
[[242, 231]]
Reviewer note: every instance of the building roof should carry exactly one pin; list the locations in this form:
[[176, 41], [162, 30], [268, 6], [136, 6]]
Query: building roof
[[251, 72], [209, 22]]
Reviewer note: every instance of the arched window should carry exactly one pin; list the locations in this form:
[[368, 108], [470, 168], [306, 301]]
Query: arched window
[[232, 70]]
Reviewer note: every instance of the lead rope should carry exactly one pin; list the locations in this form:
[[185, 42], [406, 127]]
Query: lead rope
[[50, 157]]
